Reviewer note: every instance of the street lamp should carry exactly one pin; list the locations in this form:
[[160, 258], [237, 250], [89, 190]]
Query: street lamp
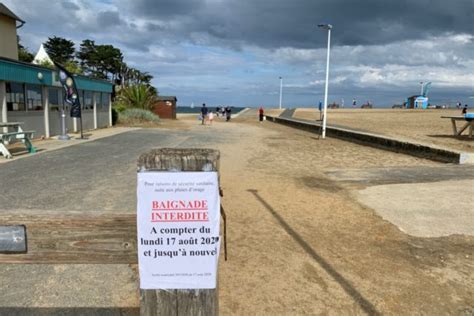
[[281, 90], [327, 27]]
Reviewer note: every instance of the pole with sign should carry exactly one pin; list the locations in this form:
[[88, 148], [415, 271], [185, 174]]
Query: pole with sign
[[178, 238]]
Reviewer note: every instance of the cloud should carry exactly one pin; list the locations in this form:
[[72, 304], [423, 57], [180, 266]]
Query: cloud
[[235, 50], [68, 5], [109, 18], [282, 23]]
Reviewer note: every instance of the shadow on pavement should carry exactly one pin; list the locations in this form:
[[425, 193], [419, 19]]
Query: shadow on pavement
[[346, 285]]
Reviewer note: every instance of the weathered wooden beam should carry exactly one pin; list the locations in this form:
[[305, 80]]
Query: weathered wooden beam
[[54, 238], [179, 302]]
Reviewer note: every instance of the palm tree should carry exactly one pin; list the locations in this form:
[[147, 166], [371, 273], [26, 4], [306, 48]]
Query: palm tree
[[138, 96]]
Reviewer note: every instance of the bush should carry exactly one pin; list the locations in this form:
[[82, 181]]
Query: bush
[[137, 116], [137, 96], [119, 107]]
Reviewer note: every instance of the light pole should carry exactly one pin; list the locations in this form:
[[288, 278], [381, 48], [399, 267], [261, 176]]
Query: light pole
[[327, 27], [421, 84], [281, 90]]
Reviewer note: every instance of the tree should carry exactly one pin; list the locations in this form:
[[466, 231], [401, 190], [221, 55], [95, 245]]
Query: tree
[[46, 64], [60, 49], [86, 56], [73, 67], [23, 53], [110, 59], [100, 60]]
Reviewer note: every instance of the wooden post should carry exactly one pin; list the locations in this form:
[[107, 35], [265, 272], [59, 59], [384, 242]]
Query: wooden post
[[179, 302]]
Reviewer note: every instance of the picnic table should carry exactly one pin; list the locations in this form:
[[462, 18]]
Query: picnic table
[[469, 124], [11, 132]]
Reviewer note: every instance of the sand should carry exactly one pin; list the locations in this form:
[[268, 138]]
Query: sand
[[425, 126], [301, 243]]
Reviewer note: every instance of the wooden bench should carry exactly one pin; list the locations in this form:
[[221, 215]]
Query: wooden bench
[[469, 124], [13, 137]]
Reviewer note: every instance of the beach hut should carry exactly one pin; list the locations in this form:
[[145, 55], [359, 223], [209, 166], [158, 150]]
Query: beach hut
[[417, 102], [165, 107]]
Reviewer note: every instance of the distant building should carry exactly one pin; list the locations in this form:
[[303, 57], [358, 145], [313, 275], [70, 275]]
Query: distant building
[[42, 57], [32, 94], [417, 102], [165, 107], [8, 26]]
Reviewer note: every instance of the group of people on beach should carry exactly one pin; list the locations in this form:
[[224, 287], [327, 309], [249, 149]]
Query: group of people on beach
[[208, 116]]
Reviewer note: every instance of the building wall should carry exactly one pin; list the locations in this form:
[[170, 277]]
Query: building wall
[[32, 121], [26, 75], [103, 118], [55, 123], [87, 120], [8, 42], [165, 111]]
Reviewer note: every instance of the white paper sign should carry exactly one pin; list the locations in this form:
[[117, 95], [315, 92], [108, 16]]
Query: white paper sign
[[178, 221]]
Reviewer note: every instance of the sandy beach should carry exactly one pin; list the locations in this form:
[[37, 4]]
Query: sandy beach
[[424, 126]]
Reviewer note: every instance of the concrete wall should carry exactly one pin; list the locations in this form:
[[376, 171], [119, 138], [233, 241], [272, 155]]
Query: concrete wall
[[87, 120], [102, 118], [8, 41], [33, 121], [55, 123]]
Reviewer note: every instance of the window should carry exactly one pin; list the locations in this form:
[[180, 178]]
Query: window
[[88, 103], [81, 97], [55, 98], [15, 96], [105, 100], [34, 98]]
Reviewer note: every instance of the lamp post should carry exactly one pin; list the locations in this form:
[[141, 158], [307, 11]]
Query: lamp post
[[327, 27], [421, 84], [281, 90]]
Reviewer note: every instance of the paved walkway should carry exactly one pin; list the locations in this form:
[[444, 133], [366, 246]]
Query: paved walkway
[[288, 113], [48, 145]]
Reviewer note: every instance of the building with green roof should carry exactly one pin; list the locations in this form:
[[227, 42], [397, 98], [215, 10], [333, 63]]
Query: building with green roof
[[32, 94]]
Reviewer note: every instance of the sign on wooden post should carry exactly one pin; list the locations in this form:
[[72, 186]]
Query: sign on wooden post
[[178, 231]]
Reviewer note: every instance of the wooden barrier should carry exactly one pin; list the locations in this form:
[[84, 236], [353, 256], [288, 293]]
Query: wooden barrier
[[54, 238], [111, 238]]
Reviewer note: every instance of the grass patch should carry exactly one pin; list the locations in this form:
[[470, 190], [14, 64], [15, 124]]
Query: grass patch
[[137, 117]]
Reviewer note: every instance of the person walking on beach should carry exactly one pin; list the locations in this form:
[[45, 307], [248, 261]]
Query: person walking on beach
[[228, 113], [464, 110], [260, 114], [204, 111], [211, 117], [320, 110]]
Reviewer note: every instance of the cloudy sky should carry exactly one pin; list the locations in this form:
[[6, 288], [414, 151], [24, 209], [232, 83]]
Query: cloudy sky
[[234, 51]]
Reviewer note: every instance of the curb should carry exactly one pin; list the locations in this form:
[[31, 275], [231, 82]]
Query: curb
[[383, 142]]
